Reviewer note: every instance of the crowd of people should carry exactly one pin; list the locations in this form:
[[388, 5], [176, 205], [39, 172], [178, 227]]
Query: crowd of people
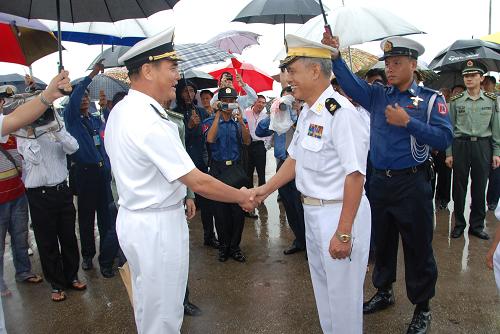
[[359, 163]]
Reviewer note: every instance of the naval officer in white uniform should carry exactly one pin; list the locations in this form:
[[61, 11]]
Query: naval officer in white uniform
[[152, 170], [327, 157]]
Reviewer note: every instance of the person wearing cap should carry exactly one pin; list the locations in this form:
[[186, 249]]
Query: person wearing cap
[[196, 147], [327, 158], [476, 147], [91, 178], [226, 80], [152, 170], [226, 132], [406, 120]]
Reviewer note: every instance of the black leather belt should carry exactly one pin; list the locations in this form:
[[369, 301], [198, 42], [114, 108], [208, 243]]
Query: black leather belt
[[57, 187], [405, 171], [257, 142], [100, 164], [472, 138]]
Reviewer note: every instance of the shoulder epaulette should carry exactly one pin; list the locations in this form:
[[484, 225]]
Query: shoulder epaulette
[[492, 96], [453, 98], [174, 114]]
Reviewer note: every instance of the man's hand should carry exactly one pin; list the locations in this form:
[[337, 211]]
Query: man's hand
[[239, 118], [97, 68], [240, 80], [338, 249], [249, 203], [261, 193], [194, 120], [60, 81], [449, 161], [332, 41], [396, 116], [190, 208], [495, 162]]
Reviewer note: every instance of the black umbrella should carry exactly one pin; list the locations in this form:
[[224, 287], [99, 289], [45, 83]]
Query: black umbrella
[[84, 11], [279, 11], [17, 80], [201, 79], [454, 57]]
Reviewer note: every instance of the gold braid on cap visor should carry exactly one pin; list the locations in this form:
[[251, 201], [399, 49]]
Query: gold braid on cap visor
[[309, 52], [172, 55]]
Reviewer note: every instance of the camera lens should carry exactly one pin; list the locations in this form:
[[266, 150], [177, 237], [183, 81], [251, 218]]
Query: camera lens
[[282, 106]]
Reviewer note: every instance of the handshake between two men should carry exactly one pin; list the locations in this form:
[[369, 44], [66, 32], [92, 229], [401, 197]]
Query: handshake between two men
[[254, 197]]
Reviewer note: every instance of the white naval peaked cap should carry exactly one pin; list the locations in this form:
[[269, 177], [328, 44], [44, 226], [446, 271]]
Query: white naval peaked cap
[[157, 47], [300, 47], [401, 46]]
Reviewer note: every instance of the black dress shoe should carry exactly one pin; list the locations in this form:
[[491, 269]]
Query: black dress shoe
[[214, 243], [87, 263], [457, 232], [380, 301], [293, 250], [223, 255], [421, 323], [107, 272], [480, 234], [191, 309], [238, 256]]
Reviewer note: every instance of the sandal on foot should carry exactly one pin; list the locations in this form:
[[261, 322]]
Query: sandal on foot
[[58, 295], [78, 285], [35, 279]]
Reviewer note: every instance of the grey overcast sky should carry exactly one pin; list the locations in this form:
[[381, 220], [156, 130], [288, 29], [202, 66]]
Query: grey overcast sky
[[198, 20]]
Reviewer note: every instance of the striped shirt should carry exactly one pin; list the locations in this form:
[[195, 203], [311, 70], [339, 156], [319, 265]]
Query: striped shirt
[[11, 185], [45, 158]]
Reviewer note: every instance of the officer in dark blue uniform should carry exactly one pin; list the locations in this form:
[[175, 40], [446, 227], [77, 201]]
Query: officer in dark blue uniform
[[225, 132], [405, 121]]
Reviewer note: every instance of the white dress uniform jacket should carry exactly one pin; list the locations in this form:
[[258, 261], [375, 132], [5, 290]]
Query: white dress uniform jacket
[[147, 159], [327, 148]]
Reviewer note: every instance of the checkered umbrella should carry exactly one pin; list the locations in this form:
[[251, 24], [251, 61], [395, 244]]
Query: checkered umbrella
[[193, 55], [110, 86]]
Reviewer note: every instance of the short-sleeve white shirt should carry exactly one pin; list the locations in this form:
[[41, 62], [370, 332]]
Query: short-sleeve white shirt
[[328, 147], [146, 154]]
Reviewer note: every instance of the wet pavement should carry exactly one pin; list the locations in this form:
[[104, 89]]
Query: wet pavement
[[270, 293]]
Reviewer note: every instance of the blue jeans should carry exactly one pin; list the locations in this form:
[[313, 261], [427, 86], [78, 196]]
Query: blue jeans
[[14, 219]]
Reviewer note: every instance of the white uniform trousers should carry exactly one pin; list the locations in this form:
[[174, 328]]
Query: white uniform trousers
[[338, 284], [156, 244], [496, 266]]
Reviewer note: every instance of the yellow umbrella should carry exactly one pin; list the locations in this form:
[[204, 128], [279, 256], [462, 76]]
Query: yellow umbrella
[[495, 38]]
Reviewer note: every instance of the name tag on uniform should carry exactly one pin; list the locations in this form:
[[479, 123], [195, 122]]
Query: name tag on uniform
[[97, 140], [315, 131]]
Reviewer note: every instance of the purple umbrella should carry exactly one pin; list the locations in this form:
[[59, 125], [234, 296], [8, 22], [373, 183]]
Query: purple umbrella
[[234, 41]]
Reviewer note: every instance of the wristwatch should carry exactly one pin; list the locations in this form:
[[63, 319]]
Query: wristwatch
[[343, 237]]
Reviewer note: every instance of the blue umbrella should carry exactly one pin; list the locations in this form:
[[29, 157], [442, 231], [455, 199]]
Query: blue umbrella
[[17, 80]]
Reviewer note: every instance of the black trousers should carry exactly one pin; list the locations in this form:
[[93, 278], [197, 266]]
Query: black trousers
[[441, 185], [207, 216], [402, 205], [229, 218], [290, 197], [472, 157], [256, 160], [94, 195], [53, 217]]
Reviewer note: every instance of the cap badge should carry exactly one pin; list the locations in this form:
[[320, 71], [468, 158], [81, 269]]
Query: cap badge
[[470, 63], [9, 90], [228, 90], [388, 46]]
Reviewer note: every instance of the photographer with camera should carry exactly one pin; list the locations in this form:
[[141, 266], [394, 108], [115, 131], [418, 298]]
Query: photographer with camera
[[13, 203], [225, 133], [91, 177]]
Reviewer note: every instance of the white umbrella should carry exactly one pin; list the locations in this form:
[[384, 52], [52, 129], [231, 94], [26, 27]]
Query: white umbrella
[[357, 25]]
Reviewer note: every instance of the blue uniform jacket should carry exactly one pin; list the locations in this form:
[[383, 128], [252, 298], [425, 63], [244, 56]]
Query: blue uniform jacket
[[262, 130], [195, 139], [83, 129], [390, 145], [227, 146]]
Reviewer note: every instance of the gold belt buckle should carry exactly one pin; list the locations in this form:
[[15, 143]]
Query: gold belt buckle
[[473, 138], [229, 163]]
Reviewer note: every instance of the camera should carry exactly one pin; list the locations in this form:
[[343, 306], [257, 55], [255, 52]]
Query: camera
[[228, 106], [283, 106]]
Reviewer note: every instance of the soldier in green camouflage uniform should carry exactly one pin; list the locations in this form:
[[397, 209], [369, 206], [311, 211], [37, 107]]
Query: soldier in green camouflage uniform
[[476, 145]]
